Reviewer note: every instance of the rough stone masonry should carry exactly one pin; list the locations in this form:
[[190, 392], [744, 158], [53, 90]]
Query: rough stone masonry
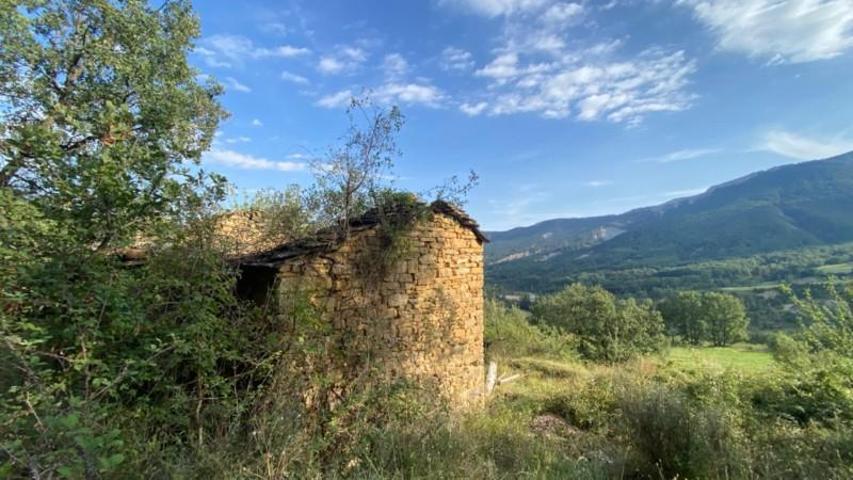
[[420, 316]]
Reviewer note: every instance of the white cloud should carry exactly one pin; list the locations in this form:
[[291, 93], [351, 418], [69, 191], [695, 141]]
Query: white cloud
[[598, 183], [242, 139], [257, 123], [336, 100], [390, 93], [541, 67], [293, 78], [232, 83], [394, 65], [563, 13], [504, 66], [230, 158], [473, 109], [685, 193], [234, 50], [344, 59], [780, 31], [410, 93], [330, 65], [453, 58], [493, 8], [789, 144], [685, 154], [591, 86]]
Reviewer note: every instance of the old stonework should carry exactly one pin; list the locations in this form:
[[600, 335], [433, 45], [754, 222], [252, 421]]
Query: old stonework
[[415, 301]]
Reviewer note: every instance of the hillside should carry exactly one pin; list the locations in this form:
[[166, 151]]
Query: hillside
[[784, 208]]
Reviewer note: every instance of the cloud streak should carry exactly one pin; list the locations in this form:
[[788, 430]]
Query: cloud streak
[[232, 83], [779, 31], [227, 51], [681, 155], [390, 93], [230, 158], [540, 67], [793, 145], [344, 60]]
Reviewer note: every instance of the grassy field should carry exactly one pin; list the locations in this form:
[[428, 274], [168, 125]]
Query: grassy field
[[745, 358], [837, 269]]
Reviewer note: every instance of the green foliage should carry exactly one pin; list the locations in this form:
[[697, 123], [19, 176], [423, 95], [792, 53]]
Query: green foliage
[[675, 438], [727, 321], [786, 208], [826, 325], [283, 213], [509, 333], [719, 318], [352, 176], [101, 112], [820, 394], [787, 350], [607, 328], [684, 316], [101, 351]]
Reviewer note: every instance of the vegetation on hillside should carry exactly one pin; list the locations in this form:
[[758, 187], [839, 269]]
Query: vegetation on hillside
[[696, 317], [157, 369], [787, 207], [756, 280], [607, 328]]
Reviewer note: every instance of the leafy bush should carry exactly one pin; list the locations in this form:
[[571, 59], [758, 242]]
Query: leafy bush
[[826, 325], [696, 317], [508, 333], [674, 438], [821, 395], [607, 328]]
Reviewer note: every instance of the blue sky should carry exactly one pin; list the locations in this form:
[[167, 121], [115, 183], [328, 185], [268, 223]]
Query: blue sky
[[563, 108]]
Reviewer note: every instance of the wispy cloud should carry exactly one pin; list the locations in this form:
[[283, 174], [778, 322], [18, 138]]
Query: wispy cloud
[[689, 192], [293, 78], [345, 59], [232, 83], [257, 122], [780, 31], [230, 158], [494, 8], [680, 155], [541, 67], [473, 109], [456, 59], [228, 51], [590, 86], [241, 139], [794, 145], [598, 183], [336, 100], [394, 65], [390, 93]]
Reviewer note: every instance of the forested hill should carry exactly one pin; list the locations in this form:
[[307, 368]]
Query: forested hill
[[783, 208]]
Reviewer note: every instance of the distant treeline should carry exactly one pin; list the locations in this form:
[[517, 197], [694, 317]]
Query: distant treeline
[[755, 279]]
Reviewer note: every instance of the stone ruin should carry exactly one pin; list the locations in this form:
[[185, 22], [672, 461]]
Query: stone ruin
[[415, 307]]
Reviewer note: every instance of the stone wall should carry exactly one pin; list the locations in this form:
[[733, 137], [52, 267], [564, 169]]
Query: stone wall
[[415, 314]]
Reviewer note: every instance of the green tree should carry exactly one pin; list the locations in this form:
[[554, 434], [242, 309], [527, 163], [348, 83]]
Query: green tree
[[101, 123], [826, 326], [101, 111], [353, 176], [607, 328], [726, 318], [719, 318], [684, 316]]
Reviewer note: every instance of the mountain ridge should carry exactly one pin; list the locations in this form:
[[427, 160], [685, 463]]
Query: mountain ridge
[[788, 206]]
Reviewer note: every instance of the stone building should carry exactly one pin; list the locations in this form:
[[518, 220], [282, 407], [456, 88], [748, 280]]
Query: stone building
[[409, 297]]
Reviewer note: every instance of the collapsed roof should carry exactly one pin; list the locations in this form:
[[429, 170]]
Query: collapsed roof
[[329, 239]]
